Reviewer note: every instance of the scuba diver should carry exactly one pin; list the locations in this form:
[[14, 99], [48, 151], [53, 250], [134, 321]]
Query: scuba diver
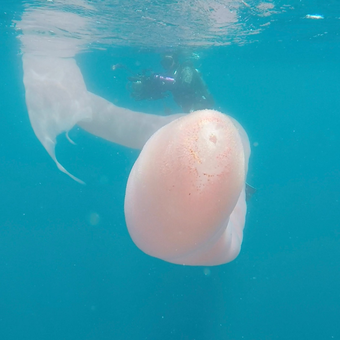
[[182, 80]]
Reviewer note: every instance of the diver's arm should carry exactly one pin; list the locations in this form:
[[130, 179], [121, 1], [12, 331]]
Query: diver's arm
[[150, 87]]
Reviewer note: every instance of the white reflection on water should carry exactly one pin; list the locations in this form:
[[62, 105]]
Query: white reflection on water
[[148, 23]]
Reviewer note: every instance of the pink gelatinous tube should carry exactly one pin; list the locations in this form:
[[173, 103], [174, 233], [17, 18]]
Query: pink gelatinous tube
[[185, 197]]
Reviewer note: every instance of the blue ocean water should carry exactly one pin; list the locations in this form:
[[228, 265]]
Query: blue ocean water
[[68, 268]]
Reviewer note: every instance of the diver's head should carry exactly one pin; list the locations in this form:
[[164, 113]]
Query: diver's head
[[168, 62]]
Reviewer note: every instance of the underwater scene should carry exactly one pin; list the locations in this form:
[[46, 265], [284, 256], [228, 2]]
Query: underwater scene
[[169, 170]]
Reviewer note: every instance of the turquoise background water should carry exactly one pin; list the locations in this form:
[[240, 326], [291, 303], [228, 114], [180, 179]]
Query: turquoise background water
[[65, 277]]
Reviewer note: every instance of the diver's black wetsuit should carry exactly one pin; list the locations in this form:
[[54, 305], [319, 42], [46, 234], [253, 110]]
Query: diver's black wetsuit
[[189, 90], [183, 81]]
